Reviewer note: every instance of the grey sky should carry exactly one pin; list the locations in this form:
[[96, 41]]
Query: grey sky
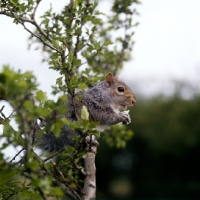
[[167, 46]]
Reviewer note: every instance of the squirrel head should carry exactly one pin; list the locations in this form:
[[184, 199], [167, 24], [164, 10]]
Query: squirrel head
[[121, 95]]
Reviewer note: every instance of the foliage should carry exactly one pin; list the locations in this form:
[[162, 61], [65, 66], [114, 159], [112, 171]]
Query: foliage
[[79, 35]]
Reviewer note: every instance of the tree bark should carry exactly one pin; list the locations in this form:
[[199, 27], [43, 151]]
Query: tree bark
[[90, 171]]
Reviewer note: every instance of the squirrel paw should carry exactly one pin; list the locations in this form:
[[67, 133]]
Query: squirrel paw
[[125, 118], [91, 141]]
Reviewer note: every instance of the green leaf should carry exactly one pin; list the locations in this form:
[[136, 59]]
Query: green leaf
[[74, 81], [84, 113], [70, 56], [82, 86], [40, 96], [107, 42], [58, 191], [28, 105], [76, 3], [64, 120], [59, 81]]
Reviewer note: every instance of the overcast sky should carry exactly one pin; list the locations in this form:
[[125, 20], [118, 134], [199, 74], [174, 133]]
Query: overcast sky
[[167, 46]]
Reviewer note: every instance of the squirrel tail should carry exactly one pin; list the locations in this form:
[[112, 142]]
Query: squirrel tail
[[49, 142]]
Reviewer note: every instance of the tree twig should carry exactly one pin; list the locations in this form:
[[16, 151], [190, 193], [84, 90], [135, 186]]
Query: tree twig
[[16, 155], [21, 20], [2, 112], [55, 154], [37, 25], [64, 180]]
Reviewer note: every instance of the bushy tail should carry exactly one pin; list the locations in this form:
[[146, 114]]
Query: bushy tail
[[49, 142]]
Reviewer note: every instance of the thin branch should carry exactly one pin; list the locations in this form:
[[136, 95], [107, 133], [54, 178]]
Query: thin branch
[[64, 180], [16, 155], [63, 186], [2, 112], [40, 38], [75, 182], [124, 47], [11, 114], [36, 24], [35, 9], [66, 189], [119, 61], [55, 154], [78, 168], [76, 50], [89, 59], [3, 120], [21, 20], [44, 197], [25, 19], [28, 145]]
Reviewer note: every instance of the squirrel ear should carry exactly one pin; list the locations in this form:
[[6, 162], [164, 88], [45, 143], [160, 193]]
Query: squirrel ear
[[109, 79]]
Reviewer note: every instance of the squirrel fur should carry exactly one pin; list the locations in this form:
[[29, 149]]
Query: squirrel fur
[[105, 102]]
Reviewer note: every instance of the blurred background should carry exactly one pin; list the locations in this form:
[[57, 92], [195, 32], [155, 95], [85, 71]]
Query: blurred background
[[162, 159]]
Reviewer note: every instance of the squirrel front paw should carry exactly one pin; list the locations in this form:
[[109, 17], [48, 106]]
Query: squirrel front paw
[[91, 141], [125, 118]]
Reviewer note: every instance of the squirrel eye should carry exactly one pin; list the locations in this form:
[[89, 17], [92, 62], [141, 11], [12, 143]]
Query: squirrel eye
[[120, 89]]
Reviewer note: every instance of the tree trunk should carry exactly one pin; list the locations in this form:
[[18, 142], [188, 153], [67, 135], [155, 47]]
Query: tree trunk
[[90, 171]]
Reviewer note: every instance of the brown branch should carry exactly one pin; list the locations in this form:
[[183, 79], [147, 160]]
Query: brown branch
[[36, 24], [55, 154], [3, 120], [64, 180], [119, 61], [44, 197], [25, 19], [28, 138], [78, 168], [75, 182], [68, 192], [40, 38], [21, 20], [76, 50], [66, 189], [124, 47]]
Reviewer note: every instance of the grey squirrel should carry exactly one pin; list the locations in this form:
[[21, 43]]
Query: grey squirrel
[[106, 103]]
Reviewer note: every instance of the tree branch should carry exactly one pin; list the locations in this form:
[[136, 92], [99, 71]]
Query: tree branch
[[90, 170], [32, 21], [64, 180], [37, 25], [16, 155], [55, 154], [35, 9]]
